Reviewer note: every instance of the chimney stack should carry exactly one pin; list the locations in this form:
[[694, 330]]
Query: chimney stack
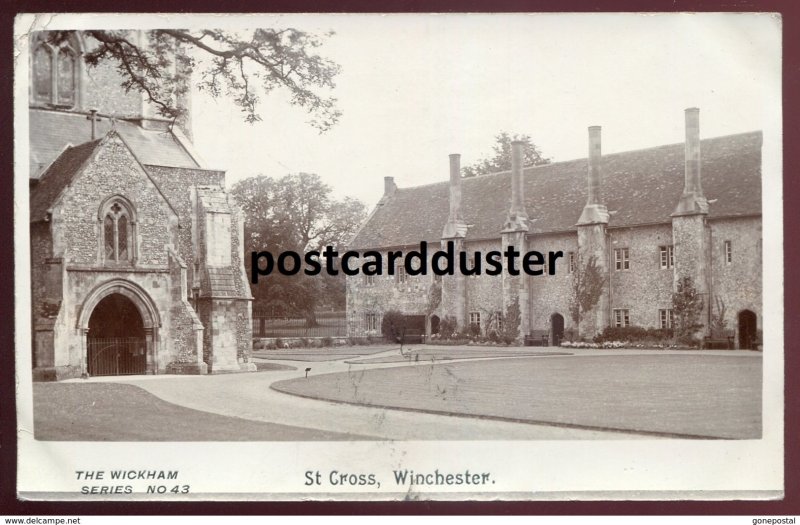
[[595, 153], [692, 174], [517, 219], [455, 226], [455, 187], [692, 200], [389, 187], [517, 182], [595, 211]]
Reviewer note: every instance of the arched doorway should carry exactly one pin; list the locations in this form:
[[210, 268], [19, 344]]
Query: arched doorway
[[434, 324], [556, 329], [116, 342], [747, 328]]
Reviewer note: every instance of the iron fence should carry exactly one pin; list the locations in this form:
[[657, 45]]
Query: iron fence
[[117, 356], [324, 324]]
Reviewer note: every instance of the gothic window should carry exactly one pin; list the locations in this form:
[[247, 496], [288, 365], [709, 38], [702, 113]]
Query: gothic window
[[43, 74], [118, 233], [66, 77], [55, 73]]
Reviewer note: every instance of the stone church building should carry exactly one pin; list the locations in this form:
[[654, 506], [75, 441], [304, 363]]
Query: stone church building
[[136, 257], [647, 218]]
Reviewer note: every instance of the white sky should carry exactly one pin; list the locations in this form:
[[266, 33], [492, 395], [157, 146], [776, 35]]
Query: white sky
[[416, 87]]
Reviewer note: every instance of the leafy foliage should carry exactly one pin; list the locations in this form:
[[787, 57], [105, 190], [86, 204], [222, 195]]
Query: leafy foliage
[[687, 305], [588, 282], [718, 321], [511, 322], [393, 325], [241, 65], [501, 161], [633, 334], [296, 212]]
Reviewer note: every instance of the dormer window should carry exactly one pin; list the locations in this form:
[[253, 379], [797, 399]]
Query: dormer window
[[55, 72], [118, 232]]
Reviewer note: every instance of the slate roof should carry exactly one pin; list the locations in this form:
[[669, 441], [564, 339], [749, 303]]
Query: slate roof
[[51, 131], [57, 177], [218, 282], [642, 186]]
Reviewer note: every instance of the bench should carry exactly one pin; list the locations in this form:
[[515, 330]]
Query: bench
[[719, 339], [537, 338]]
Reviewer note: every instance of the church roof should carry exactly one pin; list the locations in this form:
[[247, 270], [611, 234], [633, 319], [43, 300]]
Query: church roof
[[639, 187], [57, 177], [51, 131]]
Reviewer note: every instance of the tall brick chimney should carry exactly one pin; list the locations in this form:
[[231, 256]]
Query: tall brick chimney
[[595, 212], [389, 187], [692, 200], [455, 226], [517, 219]]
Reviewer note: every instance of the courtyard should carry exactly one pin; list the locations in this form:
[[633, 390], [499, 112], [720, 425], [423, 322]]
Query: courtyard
[[423, 393]]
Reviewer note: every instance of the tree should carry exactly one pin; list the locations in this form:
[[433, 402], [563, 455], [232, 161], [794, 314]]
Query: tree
[[297, 213], [501, 161], [241, 65], [511, 322], [687, 305], [588, 282]]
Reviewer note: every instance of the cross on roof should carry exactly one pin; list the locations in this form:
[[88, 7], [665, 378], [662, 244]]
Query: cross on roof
[[95, 119]]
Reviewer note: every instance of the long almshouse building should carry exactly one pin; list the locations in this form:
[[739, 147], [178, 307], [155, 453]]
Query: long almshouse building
[[647, 217]]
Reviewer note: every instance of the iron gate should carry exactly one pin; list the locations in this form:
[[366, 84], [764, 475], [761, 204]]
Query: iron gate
[[116, 356]]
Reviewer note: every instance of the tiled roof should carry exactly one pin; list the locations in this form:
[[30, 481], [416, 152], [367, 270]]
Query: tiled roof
[[51, 131], [218, 282], [57, 177], [642, 187]]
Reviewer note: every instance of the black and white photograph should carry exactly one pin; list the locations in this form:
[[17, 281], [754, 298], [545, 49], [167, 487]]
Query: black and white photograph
[[401, 256]]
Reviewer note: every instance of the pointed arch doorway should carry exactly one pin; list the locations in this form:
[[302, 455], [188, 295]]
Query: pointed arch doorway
[[747, 328], [116, 340], [556, 329], [119, 323]]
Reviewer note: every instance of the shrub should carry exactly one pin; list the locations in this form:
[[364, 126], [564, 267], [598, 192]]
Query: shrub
[[447, 327], [634, 334], [393, 325], [474, 330], [304, 342], [279, 343], [327, 341]]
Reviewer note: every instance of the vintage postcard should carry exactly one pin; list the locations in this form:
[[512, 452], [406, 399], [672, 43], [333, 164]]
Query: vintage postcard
[[399, 257]]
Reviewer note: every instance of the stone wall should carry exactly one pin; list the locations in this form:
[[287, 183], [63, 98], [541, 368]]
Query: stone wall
[[187, 330], [646, 287], [550, 294], [176, 184], [738, 283], [484, 292], [383, 294], [113, 171]]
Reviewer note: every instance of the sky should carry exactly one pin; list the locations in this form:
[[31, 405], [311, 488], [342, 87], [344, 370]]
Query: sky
[[416, 87]]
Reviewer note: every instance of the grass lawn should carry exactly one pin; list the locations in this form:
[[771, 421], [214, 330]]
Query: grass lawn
[[270, 367], [681, 395], [320, 354], [446, 353], [115, 412]]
